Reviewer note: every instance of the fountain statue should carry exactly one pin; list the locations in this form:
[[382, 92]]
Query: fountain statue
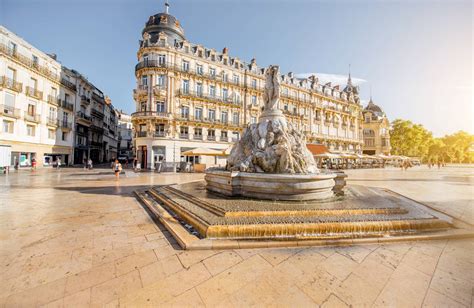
[[272, 145], [271, 160]]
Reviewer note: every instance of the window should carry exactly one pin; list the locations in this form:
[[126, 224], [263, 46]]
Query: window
[[199, 69], [52, 113], [212, 72], [160, 129], [145, 81], [185, 112], [142, 106], [160, 80], [235, 118], [33, 83], [198, 113], [35, 60], [64, 136], [186, 86], [161, 60], [198, 132], [212, 114], [213, 57], [8, 127], [183, 131], [225, 94], [285, 107], [11, 73], [224, 134], [9, 100], [235, 79], [212, 91], [225, 77], [160, 107], [11, 48], [225, 61], [51, 134], [200, 53], [185, 66], [254, 83], [30, 130], [254, 99], [199, 89], [211, 133], [31, 108], [253, 120], [145, 57], [224, 116]]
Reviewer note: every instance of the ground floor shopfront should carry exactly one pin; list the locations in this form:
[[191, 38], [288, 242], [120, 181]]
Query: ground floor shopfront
[[23, 154], [150, 151]]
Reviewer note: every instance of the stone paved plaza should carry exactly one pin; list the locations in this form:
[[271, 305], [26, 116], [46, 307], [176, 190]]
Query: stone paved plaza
[[73, 238]]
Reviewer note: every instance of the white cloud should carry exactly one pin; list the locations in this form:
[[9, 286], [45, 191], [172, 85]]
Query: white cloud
[[333, 78]]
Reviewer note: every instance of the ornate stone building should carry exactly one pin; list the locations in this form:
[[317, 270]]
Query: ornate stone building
[[190, 96], [375, 128]]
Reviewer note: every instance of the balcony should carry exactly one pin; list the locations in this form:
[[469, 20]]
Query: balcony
[[32, 92], [85, 100], [52, 121], [150, 114], [152, 64], [64, 124], [97, 113], [208, 97], [68, 84], [142, 134], [31, 117], [9, 111], [81, 116], [53, 100], [11, 84], [159, 134], [15, 55], [211, 138], [184, 136], [98, 98], [197, 137], [66, 105]]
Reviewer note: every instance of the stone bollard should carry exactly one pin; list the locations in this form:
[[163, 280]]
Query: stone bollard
[[340, 180]]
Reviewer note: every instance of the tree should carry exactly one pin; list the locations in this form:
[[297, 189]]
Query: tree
[[410, 139]]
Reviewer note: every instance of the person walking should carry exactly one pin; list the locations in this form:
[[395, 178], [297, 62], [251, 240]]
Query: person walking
[[117, 167], [89, 164], [58, 163], [33, 164]]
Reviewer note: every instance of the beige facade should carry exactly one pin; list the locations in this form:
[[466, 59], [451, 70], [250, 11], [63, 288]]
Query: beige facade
[[34, 118], [375, 129], [190, 96]]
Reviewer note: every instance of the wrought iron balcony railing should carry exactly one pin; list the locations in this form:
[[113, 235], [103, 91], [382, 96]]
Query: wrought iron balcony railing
[[32, 117], [11, 84], [32, 92], [82, 115], [9, 111], [54, 100], [52, 121]]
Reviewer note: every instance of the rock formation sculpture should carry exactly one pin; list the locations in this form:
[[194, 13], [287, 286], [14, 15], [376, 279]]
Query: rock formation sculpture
[[272, 145]]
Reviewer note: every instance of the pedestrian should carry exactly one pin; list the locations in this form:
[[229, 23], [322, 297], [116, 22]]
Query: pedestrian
[[439, 164], [33, 164], [117, 167], [135, 161], [89, 164], [84, 162], [58, 163]]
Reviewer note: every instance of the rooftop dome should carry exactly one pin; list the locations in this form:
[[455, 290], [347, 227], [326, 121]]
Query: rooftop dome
[[372, 107], [166, 23]]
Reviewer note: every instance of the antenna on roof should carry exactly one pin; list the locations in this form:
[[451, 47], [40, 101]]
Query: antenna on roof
[[349, 80], [370, 87], [167, 6]]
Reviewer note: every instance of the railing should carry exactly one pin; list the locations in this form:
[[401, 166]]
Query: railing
[[52, 121], [54, 100], [65, 124], [184, 136], [31, 117], [11, 84], [85, 99], [142, 134], [97, 98], [68, 84], [28, 62], [159, 134], [82, 115], [197, 137], [211, 138], [152, 63], [150, 114], [208, 97], [97, 113], [67, 105], [32, 92], [9, 111]]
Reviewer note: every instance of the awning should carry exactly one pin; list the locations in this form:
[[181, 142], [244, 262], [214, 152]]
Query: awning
[[327, 155], [202, 152]]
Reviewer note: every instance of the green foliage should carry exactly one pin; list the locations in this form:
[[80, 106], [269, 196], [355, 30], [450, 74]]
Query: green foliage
[[414, 140]]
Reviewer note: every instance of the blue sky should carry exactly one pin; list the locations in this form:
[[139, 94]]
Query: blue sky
[[415, 55]]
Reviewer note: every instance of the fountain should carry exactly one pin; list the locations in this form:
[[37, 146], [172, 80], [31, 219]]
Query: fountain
[[272, 194], [271, 160]]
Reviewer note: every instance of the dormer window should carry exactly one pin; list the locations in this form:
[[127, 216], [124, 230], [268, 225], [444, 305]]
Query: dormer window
[[200, 53], [213, 57]]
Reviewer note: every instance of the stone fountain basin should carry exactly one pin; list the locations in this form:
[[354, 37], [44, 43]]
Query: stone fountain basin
[[288, 187]]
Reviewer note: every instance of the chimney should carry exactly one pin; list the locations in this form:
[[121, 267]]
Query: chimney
[[52, 56], [225, 50]]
